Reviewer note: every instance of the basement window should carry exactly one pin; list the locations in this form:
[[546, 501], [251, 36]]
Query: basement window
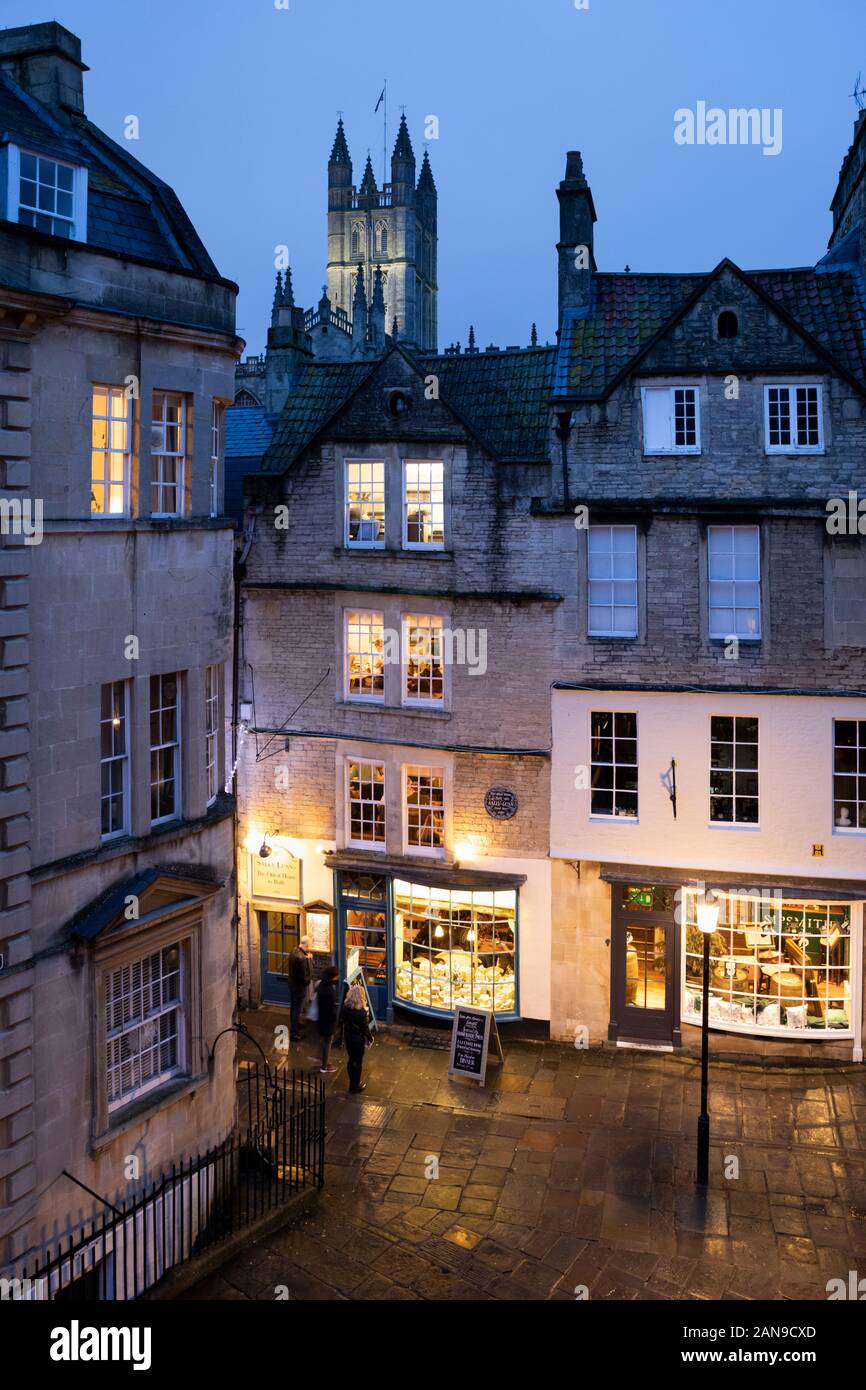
[[46, 194]]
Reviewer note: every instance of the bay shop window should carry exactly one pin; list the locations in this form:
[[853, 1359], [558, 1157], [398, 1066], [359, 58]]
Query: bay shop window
[[429, 946], [454, 946], [777, 966]]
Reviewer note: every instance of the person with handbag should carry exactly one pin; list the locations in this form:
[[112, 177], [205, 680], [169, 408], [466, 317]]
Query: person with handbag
[[325, 1009], [355, 1028]]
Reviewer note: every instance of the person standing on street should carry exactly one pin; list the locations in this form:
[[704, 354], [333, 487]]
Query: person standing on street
[[326, 1007], [356, 1035], [300, 974]]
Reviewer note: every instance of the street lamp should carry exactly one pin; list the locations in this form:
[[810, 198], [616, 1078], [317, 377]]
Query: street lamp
[[708, 919]]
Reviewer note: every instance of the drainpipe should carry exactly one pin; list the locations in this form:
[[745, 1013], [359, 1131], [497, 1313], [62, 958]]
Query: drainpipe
[[240, 569], [564, 420]]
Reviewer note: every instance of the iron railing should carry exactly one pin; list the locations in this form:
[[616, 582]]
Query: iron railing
[[277, 1150]]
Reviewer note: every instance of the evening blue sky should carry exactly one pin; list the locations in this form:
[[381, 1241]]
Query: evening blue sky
[[238, 104]]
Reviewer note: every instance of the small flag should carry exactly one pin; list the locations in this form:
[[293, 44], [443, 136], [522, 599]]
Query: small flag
[[379, 102]]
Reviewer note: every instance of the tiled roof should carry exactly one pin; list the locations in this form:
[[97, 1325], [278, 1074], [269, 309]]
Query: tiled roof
[[129, 210], [317, 393], [626, 311], [502, 396], [624, 314], [829, 304], [248, 431]]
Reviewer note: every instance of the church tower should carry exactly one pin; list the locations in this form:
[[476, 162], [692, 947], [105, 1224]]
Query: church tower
[[391, 230]]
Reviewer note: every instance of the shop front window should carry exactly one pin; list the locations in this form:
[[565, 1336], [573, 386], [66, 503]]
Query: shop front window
[[454, 946], [361, 885], [776, 966], [365, 945]]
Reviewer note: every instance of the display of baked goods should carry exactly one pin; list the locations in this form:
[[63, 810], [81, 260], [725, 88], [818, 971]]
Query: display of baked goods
[[468, 982]]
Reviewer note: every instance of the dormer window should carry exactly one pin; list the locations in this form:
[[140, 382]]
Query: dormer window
[[47, 194]]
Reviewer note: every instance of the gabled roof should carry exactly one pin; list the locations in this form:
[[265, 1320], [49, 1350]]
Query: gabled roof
[[624, 315], [130, 211], [504, 396], [830, 304], [627, 313], [500, 397], [317, 392]]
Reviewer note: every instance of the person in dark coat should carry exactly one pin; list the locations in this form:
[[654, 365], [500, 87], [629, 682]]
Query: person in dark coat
[[326, 1006], [300, 974], [356, 1035]]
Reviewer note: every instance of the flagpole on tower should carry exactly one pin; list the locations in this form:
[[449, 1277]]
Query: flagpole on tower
[[385, 135]]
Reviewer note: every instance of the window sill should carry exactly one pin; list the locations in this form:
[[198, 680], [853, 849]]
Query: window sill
[[395, 552], [787, 452], [672, 453], [731, 825], [142, 1109], [424, 711], [614, 820]]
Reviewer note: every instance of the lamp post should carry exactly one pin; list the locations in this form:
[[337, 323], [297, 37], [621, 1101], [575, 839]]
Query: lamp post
[[708, 918]]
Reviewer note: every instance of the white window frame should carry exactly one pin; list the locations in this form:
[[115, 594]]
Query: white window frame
[[735, 796], [376, 543], [113, 758], [672, 447], [213, 678], [216, 442], [433, 623], [409, 847], [854, 829], [115, 394], [434, 506], [734, 607], [377, 845], [175, 744], [137, 1025], [158, 454], [610, 582], [78, 221], [367, 621], [612, 816], [792, 388]]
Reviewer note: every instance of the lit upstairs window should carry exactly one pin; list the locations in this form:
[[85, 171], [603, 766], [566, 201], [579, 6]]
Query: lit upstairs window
[[47, 194]]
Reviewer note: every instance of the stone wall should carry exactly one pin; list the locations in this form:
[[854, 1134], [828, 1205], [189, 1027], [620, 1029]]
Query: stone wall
[[17, 1138]]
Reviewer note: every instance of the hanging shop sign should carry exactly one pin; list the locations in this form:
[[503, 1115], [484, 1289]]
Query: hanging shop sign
[[471, 1033], [278, 876], [500, 803]]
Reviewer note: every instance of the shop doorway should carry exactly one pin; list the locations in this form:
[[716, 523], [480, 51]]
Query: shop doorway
[[363, 938], [280, 933], [644, 955]]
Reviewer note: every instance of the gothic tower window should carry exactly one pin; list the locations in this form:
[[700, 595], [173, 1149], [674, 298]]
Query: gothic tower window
[[381, 238], [357, 231]]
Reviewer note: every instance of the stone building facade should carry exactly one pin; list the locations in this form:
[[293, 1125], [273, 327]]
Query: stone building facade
[[117, 914], [639, 521]]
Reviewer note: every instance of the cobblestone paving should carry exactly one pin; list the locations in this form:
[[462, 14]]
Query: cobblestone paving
[[570, 1169]]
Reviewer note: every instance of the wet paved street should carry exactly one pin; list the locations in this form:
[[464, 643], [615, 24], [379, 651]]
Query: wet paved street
[[570, 1170]]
